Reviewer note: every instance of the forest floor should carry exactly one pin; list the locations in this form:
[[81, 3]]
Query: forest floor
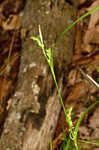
[[83, 78]]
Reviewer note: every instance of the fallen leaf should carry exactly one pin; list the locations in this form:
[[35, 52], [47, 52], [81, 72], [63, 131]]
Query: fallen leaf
[[79, 90], [94, 16], [82, 1], [73, 77], [13, 22], [92, 34], [91, 37], [11, 7]]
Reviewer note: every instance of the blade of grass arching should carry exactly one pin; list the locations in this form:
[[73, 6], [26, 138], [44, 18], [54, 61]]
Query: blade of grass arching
[[80, 119], [76, 21]]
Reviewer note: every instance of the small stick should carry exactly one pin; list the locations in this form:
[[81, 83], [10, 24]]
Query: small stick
[[89, 78]]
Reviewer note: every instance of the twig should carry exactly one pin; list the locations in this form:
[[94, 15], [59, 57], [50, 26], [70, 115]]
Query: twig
[[89, 78]]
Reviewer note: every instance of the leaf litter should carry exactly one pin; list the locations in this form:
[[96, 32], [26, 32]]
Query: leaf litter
[[10, 46], [85, 59]]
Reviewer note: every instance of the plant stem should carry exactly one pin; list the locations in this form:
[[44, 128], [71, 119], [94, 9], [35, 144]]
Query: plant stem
[[60, 97]]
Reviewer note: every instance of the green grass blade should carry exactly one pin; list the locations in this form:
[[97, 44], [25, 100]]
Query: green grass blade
[[80, 119], [76, 21], [84, 142]]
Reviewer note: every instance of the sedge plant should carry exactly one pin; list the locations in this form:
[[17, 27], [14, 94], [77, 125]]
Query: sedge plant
[[48, 53]]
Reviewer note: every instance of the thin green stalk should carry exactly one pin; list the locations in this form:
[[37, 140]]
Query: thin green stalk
[[51, 144], [67, 144], [60, 97]]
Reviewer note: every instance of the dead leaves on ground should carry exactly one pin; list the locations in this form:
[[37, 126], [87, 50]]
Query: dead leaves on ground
[[10, 14], [10, 46], [84, 68], [8, 77], [92, 34]]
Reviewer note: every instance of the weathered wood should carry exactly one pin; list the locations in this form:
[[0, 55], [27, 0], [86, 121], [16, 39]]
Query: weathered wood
[[33, 116]]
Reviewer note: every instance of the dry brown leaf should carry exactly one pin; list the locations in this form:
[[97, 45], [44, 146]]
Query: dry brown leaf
[[94, 16], [76, 57], [1, 19], [95, 38], [79, 90], [13, 22], [8, 77], [74, 77], [8, 7], [82, 1], [92, 34]]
